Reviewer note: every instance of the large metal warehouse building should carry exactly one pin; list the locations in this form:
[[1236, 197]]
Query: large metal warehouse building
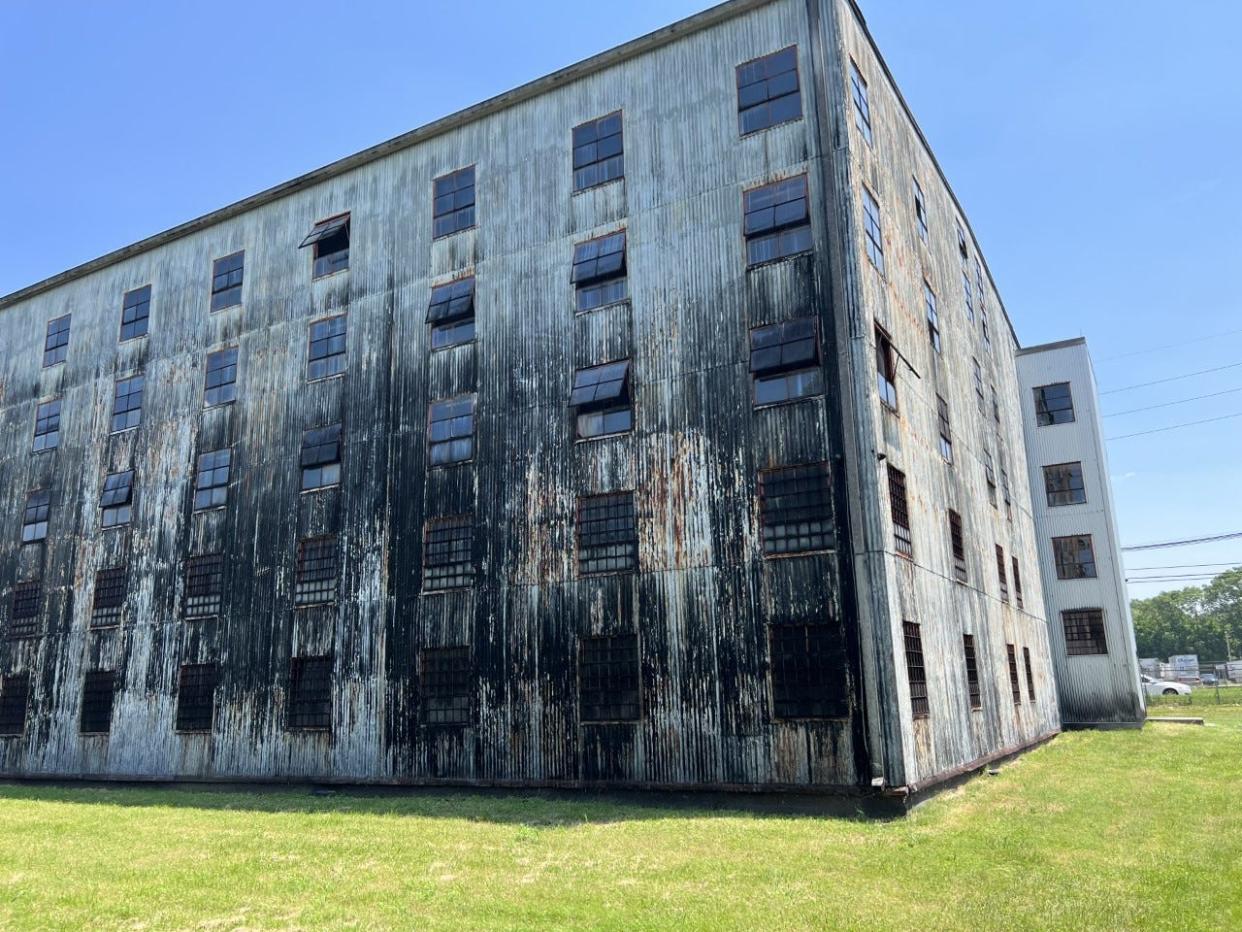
[[652, 424]]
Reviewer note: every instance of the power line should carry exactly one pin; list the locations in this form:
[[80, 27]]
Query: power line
[[1181, 566], [1169, 404], [1161, 430], [1172, 378], [1163, 579], [1186, 542], [1156, 349]]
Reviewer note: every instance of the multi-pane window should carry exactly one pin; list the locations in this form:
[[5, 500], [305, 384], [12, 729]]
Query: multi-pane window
[[873, 234], [1000, 573], [1084, 632], [98, 687], [1054, 404], [900, 511], [446, 686], [211, 480], [196, 696], [321, 457], [983, 322], [1064, 484], [226, 281], [117, 500], [56, 342], [958, 543], [310, 694], [135, 313], [885, 368], [127, 403], [601, 399], [599, 152], [35, 515], [1075, 557], [607, 534], [946, 431], [14, 702], [977, 374], [784, 362], [768, 92], [453, 205], [933, 318], [325, 351], [47, 425], [1005, 494], [451, 313], [920, 210], [916, 673], [25, 608], [862, 105], [795, 509], [204, 585], [450, 431], [111, 586], [1014, 684], [221, 385], [448, 553], [961, 240], [330, 239], [608, 679], [989, 475], [1017, 583], [968, 296], [1030, 674], [776, 220], [808, 671], [318, 568], [599, 272], [972, 672]]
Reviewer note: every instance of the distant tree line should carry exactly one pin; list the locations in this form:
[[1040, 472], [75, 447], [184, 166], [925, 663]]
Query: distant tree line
[[1203, 620]]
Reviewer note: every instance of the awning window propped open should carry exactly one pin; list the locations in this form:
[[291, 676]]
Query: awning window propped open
[[324, 229]]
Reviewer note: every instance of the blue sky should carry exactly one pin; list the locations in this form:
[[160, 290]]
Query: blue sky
[[1095, 153]]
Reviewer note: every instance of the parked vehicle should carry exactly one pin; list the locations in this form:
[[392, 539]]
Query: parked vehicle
[[1208, 679], [1155, 687]]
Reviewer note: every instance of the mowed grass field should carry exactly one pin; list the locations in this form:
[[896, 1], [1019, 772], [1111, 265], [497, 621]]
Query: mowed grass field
[[1098, 830]]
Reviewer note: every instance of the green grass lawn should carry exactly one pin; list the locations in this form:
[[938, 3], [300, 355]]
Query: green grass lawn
[[1199, 696], [1101, 830]]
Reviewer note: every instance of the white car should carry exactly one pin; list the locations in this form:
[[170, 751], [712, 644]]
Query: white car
[[1154, 687]]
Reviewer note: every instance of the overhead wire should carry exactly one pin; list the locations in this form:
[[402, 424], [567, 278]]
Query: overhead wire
[[1169, 404], [1185, 542], [1172, 378], [1161, 430]]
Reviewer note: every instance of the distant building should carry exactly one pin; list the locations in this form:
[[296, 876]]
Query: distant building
[[1091, 631], [655, 423]]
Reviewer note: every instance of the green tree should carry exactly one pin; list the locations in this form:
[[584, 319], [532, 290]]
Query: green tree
[[1203, 620]]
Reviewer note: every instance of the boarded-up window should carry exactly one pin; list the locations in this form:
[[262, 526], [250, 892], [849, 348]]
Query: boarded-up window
[[35, 515], [315, 578], [599, 151], [98, 687], [795, 507], [211, 479], [135, 313], [47, 426], [784, 361], [1054, 404], [56, 342], [900, 510], [1064, 484], [25, 609], [1075, 557], [972, 672], [220, 387], [448, 553], [321, 457], [599, 271], [1030, 674], [608, 679], [330, 239], [1014, 684], [325, 349], [450, 431], [916, 673], [767, 91], [116, 501], [310, 693], [1084, 632], [958, 543], [607, 534], [226, 281], [446, 686], [451, 313], [453, 205], [808, 671], [204, 585], [1000, 573], [111, 586], [196, 697], [14, 703], [776, 221]]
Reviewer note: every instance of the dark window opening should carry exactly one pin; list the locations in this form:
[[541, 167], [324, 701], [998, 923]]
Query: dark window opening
[[116, 502], [776, 221], [135, 313], [36, 515], [946, 432], [1014, 684], [1006, 496], [862, 105], [25, 609], [1000, 573], [795, 508], [448, 553], [1054, 404], [47, 425], [315, 578], [978, 377], [607, 534], [453, 206], [767, 91], [808, 671], [226, 281], [920, 706], [885, 368], [1075, 557], [196, 696], [56, 342], [221, 384], [608, 679], [204, 585], [599, 272], [14, 703], [1017, 584], [446, 686], [321, 457], [325, 351], [968, 296], [959, 546], [961, 240], [1084, 632], [900, 511], [601, 400], [310, 694], [920, 211], [1030, 675], [450, 433], [211, 481], [599, 152], [972, 672], [933, 317], [98, 687], [784, 362], [330, 239], [111, 586], [989, 475], [1064, 484], [127, 403], [451, 313], [872, 231]]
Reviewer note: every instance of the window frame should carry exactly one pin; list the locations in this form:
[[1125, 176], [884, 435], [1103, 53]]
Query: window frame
[[768, 100], [43, 419], [777, 232], [957, 547], [1053, 495], [301, 669], [933, 317], [451, 321], [605, 552], [1061, 549], [210, 603], [920, 211], [899, 513], [92, 689], [974, 692], [462, 572], [612, 287], [620, 675], [1015, 685], [117, 506], [447, 674], [11, 686], [807, 671], [145, 320], [799, 365], [1088, 620], [602, 408], [886, 369], [214, 292], [814, 510], [873, 230], [945, 428], [916, 670], [183, 722], [1030, 674], [1002, 570], [1047, 417], [226, 391], [38, 501], [127, 381], [326, 264], [321, 442], [107, 598], [861, 98], [211, 470], [25, 610], [452, 439], [473, 206], [574, 146], [61, 350], [308, 589], [329, 359]]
